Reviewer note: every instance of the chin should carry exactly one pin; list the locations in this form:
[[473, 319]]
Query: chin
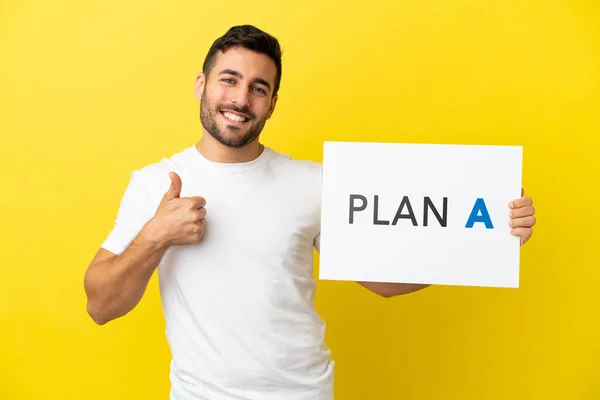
[[232, 138]]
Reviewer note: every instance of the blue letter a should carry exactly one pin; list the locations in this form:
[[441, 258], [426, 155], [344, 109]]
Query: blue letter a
[[476, 217]]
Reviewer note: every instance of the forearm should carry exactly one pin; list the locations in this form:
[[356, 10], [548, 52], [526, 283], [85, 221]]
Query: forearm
[[390, 289], [114, 286]]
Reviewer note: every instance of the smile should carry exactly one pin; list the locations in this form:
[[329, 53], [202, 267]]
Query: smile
[[234, 117]]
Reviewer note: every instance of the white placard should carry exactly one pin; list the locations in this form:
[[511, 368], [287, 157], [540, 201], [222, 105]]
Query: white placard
[[420, 213]]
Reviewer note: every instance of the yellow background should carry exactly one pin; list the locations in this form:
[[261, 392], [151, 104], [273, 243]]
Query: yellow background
[[93, 90]]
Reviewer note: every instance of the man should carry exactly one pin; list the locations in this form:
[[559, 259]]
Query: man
[[230, 225]]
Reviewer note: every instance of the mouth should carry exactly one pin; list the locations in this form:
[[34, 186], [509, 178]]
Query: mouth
[[234, 117]]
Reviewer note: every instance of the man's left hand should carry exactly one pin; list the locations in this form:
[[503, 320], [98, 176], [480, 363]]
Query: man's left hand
[[522, 218]]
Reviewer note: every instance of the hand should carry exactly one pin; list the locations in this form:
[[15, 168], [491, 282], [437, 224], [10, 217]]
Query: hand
[[178, 220], [522, 218]]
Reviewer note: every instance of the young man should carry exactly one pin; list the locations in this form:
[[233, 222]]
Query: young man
[[230, 225]]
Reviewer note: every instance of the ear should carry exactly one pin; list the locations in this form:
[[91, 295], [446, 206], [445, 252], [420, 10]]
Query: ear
[[199, 86], [272, 107]]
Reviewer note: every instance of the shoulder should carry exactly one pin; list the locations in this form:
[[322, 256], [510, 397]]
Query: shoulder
[[303, 169], [157, 173], [152, 180], [299, 183], [301, 178]]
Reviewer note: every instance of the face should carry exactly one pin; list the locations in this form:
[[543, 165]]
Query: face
[[236, 97]]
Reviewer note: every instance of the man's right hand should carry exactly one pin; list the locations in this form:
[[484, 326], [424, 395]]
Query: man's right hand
[[178, 220]]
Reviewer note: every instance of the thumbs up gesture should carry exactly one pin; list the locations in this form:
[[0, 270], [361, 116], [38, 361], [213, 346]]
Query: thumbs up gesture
[[178, 220]]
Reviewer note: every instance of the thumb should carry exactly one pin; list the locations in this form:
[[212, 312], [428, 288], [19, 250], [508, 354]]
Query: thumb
[[175, 188]]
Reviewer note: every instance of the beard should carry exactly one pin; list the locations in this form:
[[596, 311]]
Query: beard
[[231, 136]]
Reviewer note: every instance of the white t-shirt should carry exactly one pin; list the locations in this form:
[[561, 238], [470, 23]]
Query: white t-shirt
[[238, 305]]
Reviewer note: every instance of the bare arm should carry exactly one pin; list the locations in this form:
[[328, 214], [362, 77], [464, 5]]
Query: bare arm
[[522, 222], [384, 289], [389, 289], [115, 284]]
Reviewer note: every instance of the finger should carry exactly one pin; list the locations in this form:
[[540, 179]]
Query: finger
[[522, 192], [174, 190], [199, 201], [525, 222], [524, 233], [194, 203], [520, 202], [196, 215], [522, 212]]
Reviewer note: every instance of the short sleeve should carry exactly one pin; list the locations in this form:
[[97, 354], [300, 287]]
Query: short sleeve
[[318, 200], [131, 217]]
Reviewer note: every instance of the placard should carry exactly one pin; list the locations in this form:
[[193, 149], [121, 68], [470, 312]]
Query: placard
[[420, 213]]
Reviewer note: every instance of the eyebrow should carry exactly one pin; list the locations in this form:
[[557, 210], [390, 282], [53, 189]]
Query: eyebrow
[[239, 75]]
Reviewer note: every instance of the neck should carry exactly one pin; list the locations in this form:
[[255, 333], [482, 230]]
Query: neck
[[214, 151]]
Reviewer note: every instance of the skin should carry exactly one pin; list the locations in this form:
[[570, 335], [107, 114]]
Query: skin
[[521, 221], [241, 82]]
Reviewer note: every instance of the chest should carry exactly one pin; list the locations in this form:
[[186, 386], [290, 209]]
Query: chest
[[264, 218]]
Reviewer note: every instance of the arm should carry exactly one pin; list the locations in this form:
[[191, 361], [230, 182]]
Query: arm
[[115, 283], [384, 289], [390, 289], [522, 220]]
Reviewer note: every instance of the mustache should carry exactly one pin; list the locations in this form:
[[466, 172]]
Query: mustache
[[242, 110]]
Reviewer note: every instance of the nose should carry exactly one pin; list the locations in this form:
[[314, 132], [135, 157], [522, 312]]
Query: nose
[[240, 97]]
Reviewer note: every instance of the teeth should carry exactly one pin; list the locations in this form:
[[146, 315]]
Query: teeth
[[234, 117]]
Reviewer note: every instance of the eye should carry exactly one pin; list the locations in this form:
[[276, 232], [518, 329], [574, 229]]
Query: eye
[[227, 80], [261, 90]]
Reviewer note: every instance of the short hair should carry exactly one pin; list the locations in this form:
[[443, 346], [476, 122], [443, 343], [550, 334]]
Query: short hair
[[251, 38]]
